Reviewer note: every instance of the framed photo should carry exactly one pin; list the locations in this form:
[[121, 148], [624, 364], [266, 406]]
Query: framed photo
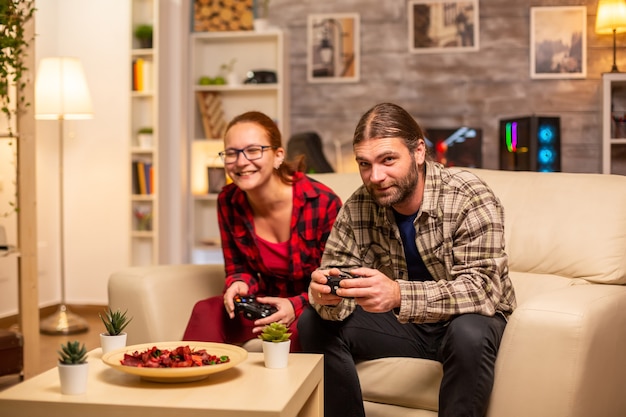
[[558, 42], [333, 47], [443, 26]]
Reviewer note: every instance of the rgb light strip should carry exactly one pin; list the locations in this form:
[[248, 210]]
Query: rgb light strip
[[511, 136]]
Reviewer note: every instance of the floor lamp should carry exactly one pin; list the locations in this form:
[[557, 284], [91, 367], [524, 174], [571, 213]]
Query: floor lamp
[[611, 19], [61, 94]]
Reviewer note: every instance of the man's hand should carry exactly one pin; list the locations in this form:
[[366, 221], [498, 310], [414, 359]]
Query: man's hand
[[237, 288], [372, 290], [320, 292]]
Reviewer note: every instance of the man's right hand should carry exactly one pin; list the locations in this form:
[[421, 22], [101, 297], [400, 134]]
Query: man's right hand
[[320, 292]]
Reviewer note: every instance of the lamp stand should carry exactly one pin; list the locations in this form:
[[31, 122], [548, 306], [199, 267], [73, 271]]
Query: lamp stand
[[63, 321], [614, 67]]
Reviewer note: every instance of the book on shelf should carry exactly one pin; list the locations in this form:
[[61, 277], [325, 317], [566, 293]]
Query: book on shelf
[[142, 75], [143, 177]]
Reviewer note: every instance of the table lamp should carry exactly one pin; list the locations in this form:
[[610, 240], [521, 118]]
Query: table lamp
[[611, 18], [61, 93]]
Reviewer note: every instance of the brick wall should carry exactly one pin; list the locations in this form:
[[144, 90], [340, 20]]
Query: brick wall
[[449, 89]]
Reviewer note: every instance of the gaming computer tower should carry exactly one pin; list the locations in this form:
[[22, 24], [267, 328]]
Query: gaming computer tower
[[531, 143]]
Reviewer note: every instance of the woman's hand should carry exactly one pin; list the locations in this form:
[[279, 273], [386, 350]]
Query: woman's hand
[[285, 314], [237, 288]]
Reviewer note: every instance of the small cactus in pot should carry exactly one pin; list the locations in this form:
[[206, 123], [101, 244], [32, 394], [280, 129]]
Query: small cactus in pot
[[72, 353], [114, 321], [73, 368], [276, 345]]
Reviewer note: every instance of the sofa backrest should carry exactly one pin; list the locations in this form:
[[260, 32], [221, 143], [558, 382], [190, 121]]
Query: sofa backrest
[[561, 228], [563, 224]]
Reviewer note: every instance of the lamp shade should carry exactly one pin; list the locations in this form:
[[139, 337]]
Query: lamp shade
[[61, 90], [611, 16]]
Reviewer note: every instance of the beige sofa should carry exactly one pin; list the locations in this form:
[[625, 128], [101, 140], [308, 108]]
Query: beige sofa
[[564, 349]]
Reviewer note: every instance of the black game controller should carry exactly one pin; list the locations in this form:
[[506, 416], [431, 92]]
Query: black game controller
[[252, 309], [334, 280]]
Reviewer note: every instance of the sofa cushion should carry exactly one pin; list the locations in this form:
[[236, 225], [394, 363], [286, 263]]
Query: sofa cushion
[[528, 285], [571, 225], [406, 382]]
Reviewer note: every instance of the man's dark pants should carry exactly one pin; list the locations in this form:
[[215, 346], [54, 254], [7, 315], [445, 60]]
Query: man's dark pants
[[466, 346]]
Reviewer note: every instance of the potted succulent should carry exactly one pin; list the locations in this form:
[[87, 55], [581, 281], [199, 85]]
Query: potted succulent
[[229, 70], [73, 368], [115, 322], [261, 12], [276, 344], [144, 137], [143, 33]]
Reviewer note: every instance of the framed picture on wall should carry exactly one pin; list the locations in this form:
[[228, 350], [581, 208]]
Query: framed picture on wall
[[443, 26], [558, 42], [333, 47]]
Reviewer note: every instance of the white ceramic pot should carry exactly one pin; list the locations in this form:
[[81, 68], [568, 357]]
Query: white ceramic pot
[[232, 78], [73, 378], [276, 355], [260, 25], [145, 140], [109, 343]]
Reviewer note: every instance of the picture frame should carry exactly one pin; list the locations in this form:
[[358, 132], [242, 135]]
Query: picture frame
[[333, 48], [558, 50], [437, 26]]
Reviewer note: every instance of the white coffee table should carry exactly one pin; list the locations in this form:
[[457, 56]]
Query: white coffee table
[[248, 389]]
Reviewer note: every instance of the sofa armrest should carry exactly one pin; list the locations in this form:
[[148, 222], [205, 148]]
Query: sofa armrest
[[562, 354], [160, 298]]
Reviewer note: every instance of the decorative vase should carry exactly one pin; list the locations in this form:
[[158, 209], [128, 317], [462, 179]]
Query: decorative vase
[[73, 378], [260, 24], [276, 355], [109, 343], [145, 43], [232, 78], [144, 140]]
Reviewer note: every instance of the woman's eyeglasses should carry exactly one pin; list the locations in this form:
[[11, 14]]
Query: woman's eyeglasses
[[252, 153]]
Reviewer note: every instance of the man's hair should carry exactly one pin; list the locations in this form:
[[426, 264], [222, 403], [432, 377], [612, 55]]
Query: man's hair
[[388, 120]]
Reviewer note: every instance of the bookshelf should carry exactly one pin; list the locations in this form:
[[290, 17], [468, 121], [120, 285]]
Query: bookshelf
[[144, 148], [614, 123], [212, 106]]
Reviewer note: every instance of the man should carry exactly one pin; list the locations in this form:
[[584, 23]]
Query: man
[[425, 245]]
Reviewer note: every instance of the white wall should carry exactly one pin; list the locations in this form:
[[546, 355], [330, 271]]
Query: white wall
[[96, 157], [96, 152]]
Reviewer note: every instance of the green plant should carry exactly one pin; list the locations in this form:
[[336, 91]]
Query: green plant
[[145, 130], [73, 353], [228, 67], [115, 321], [143, 32], [14, 16], [262, 8], [275, 332]]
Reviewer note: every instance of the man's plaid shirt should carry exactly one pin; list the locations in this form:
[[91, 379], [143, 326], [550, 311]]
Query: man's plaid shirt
[[459, 235]]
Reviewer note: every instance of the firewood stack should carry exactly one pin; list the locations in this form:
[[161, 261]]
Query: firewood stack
[[222, 15]]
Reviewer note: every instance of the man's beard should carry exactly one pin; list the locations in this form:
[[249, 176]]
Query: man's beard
[[404, 188]]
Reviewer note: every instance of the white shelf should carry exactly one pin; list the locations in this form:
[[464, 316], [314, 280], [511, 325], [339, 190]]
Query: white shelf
[[250, 51], [613, 103], [144, 112]]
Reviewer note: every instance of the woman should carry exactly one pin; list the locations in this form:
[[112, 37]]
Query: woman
[[274, 222]]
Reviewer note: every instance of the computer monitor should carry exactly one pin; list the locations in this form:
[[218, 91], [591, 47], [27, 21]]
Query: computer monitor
[[458, 146]]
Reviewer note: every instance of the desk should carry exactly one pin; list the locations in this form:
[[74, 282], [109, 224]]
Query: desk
[[248, 389]]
